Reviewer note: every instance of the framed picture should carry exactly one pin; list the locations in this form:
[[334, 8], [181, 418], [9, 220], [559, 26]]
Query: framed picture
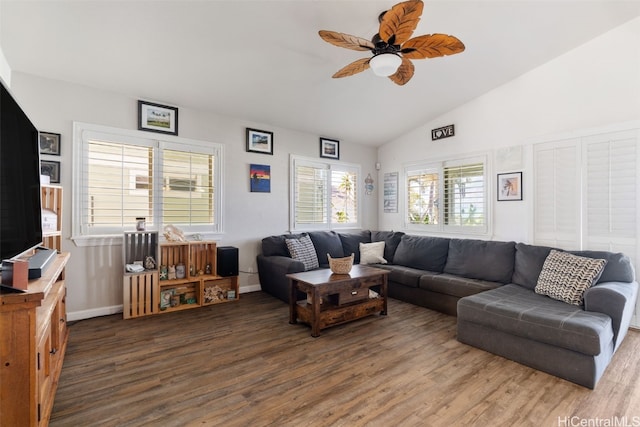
[[259, 141], [330, 148], [509, 186], [157, 118], [50, 143], [50, 169], [260, 178]]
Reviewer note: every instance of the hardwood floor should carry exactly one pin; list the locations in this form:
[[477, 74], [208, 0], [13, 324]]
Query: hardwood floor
[[242, 364]]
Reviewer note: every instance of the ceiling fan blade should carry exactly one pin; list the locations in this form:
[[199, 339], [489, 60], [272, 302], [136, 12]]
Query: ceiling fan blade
[[354, 68], [431, 46], [345, 40], [400, 21], [404, 73]]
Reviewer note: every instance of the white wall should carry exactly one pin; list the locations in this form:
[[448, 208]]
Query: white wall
[[595, 85], [94, 274]]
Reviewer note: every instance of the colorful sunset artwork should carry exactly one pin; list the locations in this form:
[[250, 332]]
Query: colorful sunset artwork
[[260, 178]]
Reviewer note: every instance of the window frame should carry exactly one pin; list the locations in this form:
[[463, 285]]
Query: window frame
[[438, 166], [82, 132], [330, 165]]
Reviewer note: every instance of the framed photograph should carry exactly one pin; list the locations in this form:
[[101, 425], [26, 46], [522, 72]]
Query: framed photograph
[[50, 143], [259, 141], [509, 186], [157, 118], [51, 169], [330, 148], [260, 178], [165, 298]]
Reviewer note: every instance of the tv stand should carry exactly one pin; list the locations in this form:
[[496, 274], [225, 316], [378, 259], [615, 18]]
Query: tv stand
[[33, 341], [39, 261]]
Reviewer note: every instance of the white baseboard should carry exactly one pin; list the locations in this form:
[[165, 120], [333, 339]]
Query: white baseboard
[[106, 311], [94, 312]]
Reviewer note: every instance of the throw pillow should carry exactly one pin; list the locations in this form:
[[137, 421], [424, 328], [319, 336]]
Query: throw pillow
[[565, 277], [302, 250], [372, 253]]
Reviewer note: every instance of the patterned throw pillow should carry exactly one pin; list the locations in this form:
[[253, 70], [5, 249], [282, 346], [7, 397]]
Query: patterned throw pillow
[[302, 249], [566, 277], [372, 253]]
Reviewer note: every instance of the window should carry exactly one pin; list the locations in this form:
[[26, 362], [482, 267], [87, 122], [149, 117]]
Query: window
[[447, 196], [119, 176], [324, 194]]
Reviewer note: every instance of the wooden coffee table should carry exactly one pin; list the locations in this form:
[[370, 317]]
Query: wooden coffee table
[[336, 298]]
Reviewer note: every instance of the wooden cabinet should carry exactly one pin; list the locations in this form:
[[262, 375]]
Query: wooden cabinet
[[192, 282], [33, 341], [52, 216]]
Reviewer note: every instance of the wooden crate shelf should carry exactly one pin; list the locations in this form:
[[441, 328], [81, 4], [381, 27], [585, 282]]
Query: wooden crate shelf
[[202, 258], [150, 292], [51, 198], [220, 289], [140, 294]]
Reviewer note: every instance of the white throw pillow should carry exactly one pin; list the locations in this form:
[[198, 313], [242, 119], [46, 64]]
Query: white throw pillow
[[372, 253]]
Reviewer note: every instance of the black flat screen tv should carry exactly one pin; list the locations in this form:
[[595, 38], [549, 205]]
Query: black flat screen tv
[[20, 204]]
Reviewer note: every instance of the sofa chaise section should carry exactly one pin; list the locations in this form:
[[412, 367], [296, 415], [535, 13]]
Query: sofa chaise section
[[569, 341]]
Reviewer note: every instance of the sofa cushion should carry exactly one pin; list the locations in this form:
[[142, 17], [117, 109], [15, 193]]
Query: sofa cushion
[[391, 241], [327, 242], [456, 286], [275, 245], [481, 259], [422, 252], [405, 276], [518, 311], [617, 269], [528, 264], [351, 243], [372, 253], [302, 250], [565, 276]]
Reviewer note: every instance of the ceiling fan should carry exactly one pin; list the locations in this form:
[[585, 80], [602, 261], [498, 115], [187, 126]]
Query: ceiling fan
[[392, 46]]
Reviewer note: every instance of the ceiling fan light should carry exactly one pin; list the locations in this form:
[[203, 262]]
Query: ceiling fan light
[[385, 64]]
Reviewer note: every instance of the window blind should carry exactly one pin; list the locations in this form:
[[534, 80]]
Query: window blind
[[115, 192]]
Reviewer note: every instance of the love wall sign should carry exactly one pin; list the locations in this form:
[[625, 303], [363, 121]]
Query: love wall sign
[[443, 132]]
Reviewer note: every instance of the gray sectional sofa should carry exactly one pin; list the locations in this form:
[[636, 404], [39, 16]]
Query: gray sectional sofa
[[490, 287]]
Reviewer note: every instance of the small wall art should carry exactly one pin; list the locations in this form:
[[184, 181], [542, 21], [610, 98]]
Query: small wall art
[[157, 118], [330, 148], [260, 178], [50, 143], [50, 169], [509, 186], [259, 141]]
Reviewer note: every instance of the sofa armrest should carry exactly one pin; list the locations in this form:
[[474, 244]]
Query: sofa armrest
[[272, 271], [615, 299]]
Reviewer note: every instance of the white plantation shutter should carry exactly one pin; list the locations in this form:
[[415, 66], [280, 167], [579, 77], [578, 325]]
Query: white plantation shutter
[[310, 194], [465, 198], [324, 195], [449, 196], [118, 178], [557, 194], [612, 188], [188, 191], [121, 175], [423, 190], [344, 195], [587, 194]]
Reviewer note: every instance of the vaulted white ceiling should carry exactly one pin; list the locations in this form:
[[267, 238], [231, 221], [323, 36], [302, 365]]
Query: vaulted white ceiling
[[263, 61]]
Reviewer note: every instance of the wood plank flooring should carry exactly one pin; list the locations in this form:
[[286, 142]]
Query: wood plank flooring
[[242, 364]]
